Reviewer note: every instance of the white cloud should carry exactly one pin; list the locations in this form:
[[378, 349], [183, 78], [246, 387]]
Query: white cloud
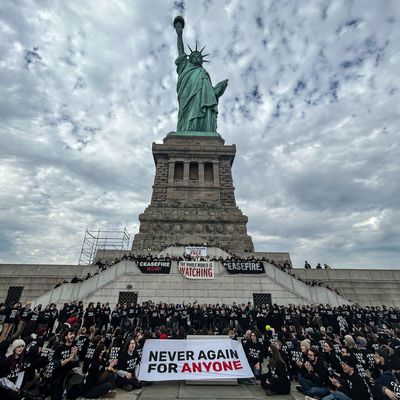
[[312, 106]]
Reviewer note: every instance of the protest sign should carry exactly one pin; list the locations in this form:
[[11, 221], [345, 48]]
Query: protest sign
[[168, 360], [196, 251], [244, 267], [196, 269], [154, 266]]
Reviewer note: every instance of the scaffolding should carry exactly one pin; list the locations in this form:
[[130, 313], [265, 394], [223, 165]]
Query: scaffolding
[[102, 240]]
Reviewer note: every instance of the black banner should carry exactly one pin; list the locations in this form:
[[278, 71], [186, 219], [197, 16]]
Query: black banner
[[154, 267], [244, 267]]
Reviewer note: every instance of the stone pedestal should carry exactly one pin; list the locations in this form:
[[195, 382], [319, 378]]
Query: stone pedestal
[[193, 198]]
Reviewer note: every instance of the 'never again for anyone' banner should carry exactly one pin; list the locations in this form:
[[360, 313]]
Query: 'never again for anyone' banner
[[154, 267], [168, 360], [244, 267]]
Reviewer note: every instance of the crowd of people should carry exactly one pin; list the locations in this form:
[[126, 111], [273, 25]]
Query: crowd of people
[[284, 266], [346, 352]]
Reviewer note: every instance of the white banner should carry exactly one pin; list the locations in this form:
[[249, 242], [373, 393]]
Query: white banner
[[169, 360], [197, 269], [196, 251]]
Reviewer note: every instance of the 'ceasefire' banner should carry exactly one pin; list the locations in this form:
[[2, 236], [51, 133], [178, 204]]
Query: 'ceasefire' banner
[[168, 360], [244, 267], [154, 267]]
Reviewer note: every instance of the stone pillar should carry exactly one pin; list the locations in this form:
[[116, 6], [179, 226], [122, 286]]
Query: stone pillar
[[201, 173], [216, 174], [186, 173]]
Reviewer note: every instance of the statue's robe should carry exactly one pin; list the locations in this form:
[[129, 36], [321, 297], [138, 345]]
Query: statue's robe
[[198, 104]]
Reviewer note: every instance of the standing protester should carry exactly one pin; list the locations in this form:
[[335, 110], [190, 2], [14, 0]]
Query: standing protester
[[11, 316]]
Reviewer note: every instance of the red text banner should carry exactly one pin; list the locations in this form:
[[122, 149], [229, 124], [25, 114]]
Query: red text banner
[[168, 360], [196, 269]]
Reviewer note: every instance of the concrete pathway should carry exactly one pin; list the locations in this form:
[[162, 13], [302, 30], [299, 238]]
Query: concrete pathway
[[181, 391]]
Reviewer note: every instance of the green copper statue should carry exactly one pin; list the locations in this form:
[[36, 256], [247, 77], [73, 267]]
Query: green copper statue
[[197, 98]]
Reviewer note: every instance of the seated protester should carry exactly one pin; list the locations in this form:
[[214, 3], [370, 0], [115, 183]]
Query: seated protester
[[284, 350], [17, 363], [276, 380], [8, 389], [116, 348], [254, 354], [361, 355], [32, 358], [126, 365], [351, 386], [314, 376], [47, 365], [100, 380], [89, 352], [386, 386], [65, 358], [331, 358], [82, 342], [298, 358]]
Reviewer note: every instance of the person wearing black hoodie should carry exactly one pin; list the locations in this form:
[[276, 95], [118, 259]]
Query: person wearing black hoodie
[[8, 390], [100, 379], [253, 351], [330, 356], [127, 362], [386, 385], [314, 376], [276, 380], [351, 386]]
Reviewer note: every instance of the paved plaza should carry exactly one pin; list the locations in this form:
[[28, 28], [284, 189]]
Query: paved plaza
[[179, 390]]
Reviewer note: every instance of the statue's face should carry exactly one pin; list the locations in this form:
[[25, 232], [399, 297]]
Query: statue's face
[[196, 58]]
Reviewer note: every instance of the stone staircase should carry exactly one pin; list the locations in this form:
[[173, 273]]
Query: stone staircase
[[175, 288]]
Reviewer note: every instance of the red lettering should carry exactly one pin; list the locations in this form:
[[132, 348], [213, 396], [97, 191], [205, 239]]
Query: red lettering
[[219, 366], [186, 368], [227, 365], [207, 366], [237, 365], [196, 367]]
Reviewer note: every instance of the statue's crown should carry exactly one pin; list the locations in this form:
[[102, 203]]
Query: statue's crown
[[196, 51]]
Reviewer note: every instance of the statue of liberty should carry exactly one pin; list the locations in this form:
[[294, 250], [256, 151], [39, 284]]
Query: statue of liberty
[[197, 98]]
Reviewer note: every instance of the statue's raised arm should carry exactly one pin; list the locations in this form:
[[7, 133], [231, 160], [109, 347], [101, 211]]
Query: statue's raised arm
[[197, 98], [179, 24]]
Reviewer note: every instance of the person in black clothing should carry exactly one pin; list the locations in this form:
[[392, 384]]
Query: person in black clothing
[[253, 351], [126, 365], [100, 380], [9, 321], [8, 390], [351, 386], [65, 357], [22, 319], [314, 375], [276, 380], [89, 318], [331, 358], [385, 385]]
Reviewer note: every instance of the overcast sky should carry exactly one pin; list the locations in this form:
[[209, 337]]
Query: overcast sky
[[313, 106]]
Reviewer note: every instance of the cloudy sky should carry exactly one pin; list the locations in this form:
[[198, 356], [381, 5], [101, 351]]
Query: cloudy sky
[[313, 106]]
